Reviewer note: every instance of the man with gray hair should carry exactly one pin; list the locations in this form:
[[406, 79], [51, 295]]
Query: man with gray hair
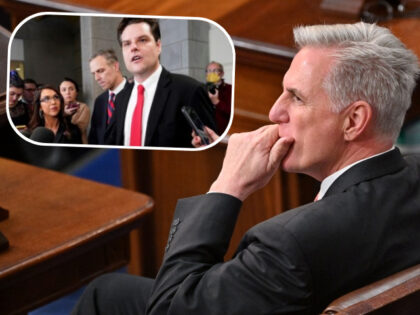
[[343, 102], [105, 68]]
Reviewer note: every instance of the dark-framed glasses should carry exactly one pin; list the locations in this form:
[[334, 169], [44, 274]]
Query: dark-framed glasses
[[213, 70], [48, 99]]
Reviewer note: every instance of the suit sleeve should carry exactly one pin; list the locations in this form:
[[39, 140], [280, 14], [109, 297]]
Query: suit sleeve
[[267, 275], [204, 108], [93, 132]]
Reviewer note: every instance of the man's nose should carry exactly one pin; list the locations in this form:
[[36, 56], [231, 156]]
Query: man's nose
[[134, 47], [278, 113]]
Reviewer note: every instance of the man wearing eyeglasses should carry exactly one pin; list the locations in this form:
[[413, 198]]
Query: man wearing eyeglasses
[[220, 94], [28, 95]]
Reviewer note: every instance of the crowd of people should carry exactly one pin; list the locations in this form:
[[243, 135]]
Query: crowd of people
[[145, 110], [47, 114]]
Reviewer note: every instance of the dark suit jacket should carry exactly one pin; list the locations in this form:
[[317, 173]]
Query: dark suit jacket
[[99, 129], [166, 126], [366, 227]]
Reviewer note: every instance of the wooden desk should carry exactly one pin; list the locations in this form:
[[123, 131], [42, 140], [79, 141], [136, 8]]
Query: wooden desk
[[63, 231]]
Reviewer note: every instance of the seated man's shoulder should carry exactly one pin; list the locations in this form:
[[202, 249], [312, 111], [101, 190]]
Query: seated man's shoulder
[[413, 161]]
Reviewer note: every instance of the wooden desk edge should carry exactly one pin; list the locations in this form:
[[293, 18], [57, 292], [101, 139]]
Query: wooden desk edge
[[124, 224]]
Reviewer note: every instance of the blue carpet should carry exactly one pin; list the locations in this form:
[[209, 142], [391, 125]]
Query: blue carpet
[[104, 167]]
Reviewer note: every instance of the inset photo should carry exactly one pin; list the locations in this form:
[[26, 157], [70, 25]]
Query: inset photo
[[121, 81]]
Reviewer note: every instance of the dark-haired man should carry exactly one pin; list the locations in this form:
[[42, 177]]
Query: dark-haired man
[[105, 68], [151, 115], [29, 89], [17, 109]]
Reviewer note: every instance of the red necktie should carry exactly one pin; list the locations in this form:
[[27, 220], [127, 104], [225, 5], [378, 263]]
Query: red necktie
[[135, 138], [111, 106]]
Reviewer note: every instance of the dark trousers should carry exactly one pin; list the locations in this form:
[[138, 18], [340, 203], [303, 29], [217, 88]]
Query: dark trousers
[[115, 293]]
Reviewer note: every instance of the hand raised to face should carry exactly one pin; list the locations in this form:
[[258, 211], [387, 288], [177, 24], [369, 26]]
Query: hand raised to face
[[251, 160]]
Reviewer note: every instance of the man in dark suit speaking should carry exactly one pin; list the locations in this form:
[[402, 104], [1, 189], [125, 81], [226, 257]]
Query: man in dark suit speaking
[[344, 99], [152, 113], [105, 67]]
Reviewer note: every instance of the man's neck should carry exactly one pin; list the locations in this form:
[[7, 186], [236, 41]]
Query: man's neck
[[117, 83], [141, 77], [357, 151]]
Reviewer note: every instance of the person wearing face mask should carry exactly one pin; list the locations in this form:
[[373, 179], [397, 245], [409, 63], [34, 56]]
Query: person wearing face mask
[[220, 94], [78, 111]]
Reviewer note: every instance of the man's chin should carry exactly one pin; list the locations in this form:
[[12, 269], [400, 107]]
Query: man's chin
[[287, 162]]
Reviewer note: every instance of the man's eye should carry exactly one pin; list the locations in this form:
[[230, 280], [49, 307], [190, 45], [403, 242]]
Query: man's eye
[[297, 98]]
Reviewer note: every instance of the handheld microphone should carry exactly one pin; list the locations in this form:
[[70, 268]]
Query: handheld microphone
[[25, 132], [42, 134]]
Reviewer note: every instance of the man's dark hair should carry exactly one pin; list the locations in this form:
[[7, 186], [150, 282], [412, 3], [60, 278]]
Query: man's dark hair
[[15, 80], [153, 23], [28, 80]]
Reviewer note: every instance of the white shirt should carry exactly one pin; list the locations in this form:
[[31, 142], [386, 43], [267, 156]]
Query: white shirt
[[149, 85], [118, 89], [328, 181]]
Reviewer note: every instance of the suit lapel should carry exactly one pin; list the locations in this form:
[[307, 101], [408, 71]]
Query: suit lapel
[[158, 104], [121, 104], [381, 165]]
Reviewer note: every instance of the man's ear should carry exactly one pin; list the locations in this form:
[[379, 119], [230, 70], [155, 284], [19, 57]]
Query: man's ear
[[117, 66], [359, 116], [159, 45]]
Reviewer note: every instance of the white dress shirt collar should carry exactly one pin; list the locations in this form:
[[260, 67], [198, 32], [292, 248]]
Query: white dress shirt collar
[[119, 88], [150, 86], [328, 181]]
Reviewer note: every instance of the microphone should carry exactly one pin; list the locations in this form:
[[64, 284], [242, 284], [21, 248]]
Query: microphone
[[26, 133], [42, 134]]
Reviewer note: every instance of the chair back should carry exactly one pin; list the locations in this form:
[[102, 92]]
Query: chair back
[[396, 294]]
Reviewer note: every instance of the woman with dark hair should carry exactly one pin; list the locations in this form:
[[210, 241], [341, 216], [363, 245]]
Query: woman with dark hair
[[49, 113], [78, 111]]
